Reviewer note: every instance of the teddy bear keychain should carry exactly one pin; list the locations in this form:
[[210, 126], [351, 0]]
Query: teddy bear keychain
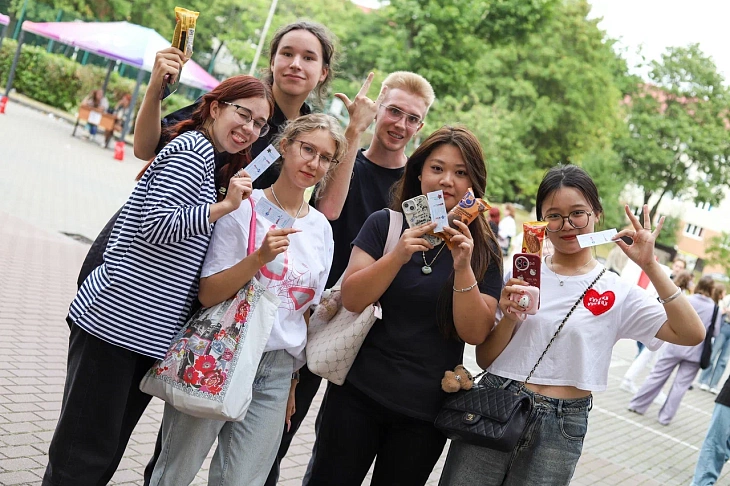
[[459, 379]]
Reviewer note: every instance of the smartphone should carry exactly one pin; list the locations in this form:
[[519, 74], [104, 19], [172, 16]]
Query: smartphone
[[417, 213], [527, 267]]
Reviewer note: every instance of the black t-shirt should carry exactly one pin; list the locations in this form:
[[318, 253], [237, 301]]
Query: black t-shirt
[[95, 257], [370, 187], [404, 356]]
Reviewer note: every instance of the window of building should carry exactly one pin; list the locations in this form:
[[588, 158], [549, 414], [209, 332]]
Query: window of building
[[693, 230]]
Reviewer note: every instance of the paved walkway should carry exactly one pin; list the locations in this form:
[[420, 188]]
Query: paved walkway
[[53, 184]]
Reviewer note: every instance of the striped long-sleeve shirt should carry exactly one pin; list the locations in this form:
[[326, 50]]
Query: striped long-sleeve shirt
[[142, 294]]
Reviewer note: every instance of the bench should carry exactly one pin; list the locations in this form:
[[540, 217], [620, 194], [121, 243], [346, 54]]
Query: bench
[[95, 116]]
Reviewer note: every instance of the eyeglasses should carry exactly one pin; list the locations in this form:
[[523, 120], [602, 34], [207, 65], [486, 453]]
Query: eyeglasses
[[309, 152], [578, 219], [396, 114], [246, 117]]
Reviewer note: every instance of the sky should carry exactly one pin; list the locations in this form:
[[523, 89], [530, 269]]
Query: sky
[[658, 24]]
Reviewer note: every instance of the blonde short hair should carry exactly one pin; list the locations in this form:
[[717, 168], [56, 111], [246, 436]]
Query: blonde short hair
[[412, 83]]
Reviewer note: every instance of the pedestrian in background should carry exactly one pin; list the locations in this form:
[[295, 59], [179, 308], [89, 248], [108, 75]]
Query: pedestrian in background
[[685, 358], [507, 228], [710, 377], [715, 450]]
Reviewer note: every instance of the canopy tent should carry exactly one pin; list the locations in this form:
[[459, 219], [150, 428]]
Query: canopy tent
[[4, 19], [121, 41]]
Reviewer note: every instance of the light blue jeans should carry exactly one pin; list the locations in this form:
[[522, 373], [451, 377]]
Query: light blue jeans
[[246, 449], [720, 353], [715, 449], [546, 455]]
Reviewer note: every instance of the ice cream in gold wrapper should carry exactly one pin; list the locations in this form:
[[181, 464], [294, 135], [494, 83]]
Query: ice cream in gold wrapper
[[184, 30], [533, 234], [466, 211]]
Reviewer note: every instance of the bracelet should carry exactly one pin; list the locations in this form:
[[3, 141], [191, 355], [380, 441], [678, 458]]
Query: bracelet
[[467, 289], [295, 376], [676, 294]]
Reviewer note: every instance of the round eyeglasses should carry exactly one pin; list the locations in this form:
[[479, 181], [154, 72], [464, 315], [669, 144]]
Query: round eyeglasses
[[309, 152], [245, 115], [578, 219]]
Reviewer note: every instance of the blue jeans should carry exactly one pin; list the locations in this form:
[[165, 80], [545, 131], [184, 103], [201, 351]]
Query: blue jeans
[[715, 449], [246, 449], [720, 351], [546, 455]]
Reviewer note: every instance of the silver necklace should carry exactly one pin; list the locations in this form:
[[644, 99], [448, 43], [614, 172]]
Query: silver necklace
[[282, 206], [426, 268], [562, 282]]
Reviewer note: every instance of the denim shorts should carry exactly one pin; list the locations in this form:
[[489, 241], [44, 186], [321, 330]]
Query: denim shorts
[[546, 455]]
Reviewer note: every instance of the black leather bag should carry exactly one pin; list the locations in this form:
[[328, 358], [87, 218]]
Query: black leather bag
[[485, 416], [493, 417], [707, 344]]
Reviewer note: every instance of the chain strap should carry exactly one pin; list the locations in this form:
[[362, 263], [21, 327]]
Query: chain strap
[[570, 312], [577, 303]]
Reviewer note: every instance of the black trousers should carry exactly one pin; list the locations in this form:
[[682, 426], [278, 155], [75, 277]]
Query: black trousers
[[305, 393], [101, 406], [355, 429]]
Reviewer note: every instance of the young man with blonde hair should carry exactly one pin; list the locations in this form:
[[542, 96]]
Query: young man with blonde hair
[[360, 185]]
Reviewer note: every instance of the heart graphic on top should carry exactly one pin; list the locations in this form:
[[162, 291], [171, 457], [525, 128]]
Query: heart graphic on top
[[598, 303], [275, 269], [301, 296]]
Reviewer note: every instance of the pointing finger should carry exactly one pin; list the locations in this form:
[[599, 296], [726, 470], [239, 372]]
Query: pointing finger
[[366, 85]]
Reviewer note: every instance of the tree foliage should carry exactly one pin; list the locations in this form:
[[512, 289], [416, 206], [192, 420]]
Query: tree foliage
[[677, 140], [717, 252]]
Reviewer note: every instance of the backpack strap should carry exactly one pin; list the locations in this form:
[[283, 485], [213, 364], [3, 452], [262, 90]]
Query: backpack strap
[[394, 231]]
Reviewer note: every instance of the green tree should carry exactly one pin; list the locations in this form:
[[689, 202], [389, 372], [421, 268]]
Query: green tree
[[718, 251], [677, 142]]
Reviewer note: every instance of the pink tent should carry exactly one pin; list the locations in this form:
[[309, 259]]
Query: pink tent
[[121, 41], [4, 19]]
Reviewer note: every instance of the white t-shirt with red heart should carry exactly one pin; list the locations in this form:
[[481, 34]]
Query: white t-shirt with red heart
[[581, 354]]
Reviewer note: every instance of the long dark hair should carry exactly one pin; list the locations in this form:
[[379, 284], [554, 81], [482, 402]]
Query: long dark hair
[[485, 242], [326, 41], [231, 89]]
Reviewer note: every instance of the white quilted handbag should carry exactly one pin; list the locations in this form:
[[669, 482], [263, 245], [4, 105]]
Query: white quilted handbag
[[335, 334]]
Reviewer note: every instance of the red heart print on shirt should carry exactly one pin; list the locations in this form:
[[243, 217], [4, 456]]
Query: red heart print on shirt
[[598, 303]]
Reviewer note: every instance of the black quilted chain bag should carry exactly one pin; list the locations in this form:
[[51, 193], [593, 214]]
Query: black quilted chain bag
[[493, 417]]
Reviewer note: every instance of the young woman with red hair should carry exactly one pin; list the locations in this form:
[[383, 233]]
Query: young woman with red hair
[[128, 309]]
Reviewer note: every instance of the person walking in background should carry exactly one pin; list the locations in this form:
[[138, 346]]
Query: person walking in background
[[715, 450], [710, 377], [97, 100], [120, 112], [494, 221], [130, 307], [507, 228], [678, 265], [685, 358]]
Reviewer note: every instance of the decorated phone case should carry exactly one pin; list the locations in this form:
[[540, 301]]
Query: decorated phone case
[[416, 213], [527, 267]]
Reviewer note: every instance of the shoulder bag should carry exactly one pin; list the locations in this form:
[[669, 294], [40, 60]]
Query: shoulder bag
[[209, 369], [493, 417], [335, 335], [705, 360]]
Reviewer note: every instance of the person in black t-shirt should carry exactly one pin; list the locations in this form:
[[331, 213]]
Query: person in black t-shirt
[[716, 448], [361, 185], [433, 300]]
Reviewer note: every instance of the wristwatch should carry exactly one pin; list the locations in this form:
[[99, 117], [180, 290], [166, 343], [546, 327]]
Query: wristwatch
[[295, 376]]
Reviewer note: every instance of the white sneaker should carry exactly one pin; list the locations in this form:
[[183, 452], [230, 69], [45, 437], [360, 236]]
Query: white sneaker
[[704, 387], [714, 391], [628, 386]]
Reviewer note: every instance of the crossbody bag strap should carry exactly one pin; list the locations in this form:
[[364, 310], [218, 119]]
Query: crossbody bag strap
[[570, 312]]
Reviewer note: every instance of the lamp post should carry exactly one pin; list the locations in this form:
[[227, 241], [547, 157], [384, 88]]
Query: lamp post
[[259, 47]]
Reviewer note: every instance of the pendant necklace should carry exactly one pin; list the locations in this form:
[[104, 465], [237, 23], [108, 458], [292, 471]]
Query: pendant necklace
[[426, 268], [282, 207], [562, 282]]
